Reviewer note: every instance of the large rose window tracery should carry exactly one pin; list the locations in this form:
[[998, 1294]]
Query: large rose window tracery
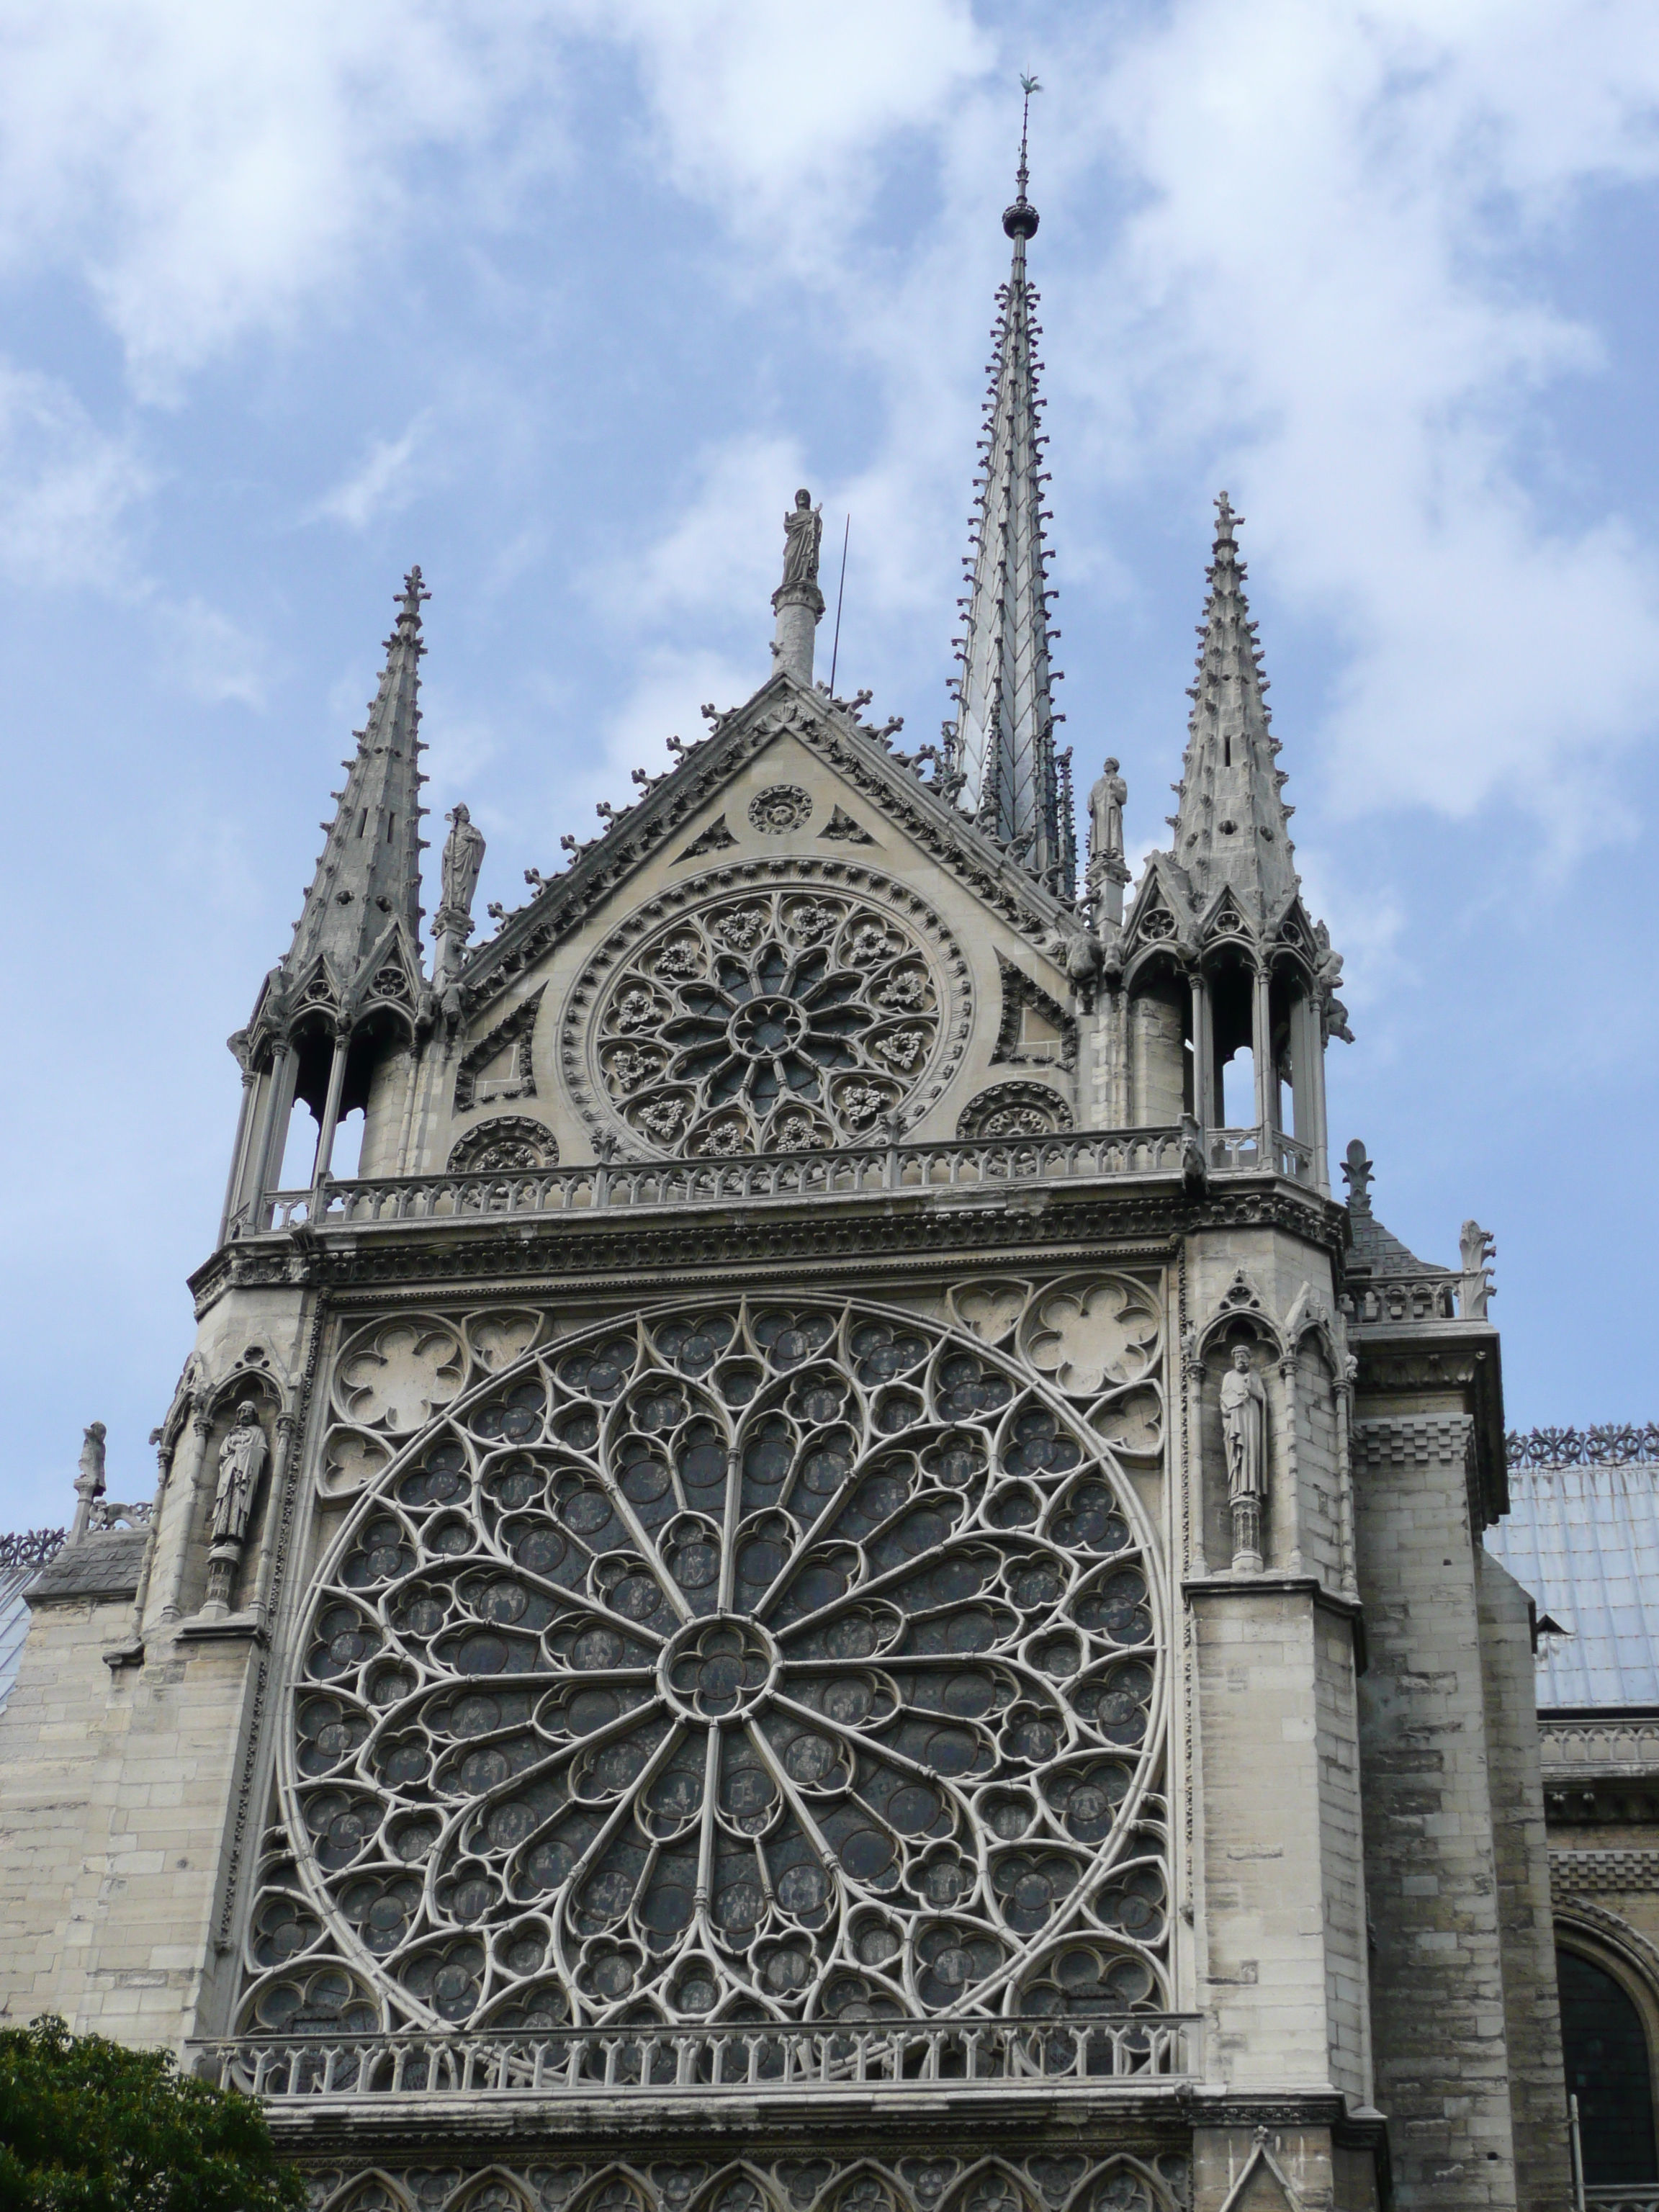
[[750, 1661], [785, 1017]]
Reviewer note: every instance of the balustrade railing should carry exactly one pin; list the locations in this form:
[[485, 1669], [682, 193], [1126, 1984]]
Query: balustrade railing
[[864, 1171], [1403, 1297], [1054, 2054], [1622, 2197]]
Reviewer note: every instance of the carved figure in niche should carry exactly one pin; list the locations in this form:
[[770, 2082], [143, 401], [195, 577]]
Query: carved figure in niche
[[1244, 1431], [803, 533], [1106, 802], [464, 852], [241, 1462]]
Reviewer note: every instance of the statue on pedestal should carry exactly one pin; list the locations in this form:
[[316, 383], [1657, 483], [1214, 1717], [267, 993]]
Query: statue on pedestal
[[241, 1462], [803, 534], [1244, 1430]]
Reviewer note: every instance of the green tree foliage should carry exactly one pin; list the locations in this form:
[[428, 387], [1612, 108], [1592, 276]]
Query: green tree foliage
[[87, 2125]]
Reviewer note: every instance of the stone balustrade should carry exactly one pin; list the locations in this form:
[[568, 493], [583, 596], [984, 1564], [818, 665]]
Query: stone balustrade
[[1091, 1155], [1135, 2049]]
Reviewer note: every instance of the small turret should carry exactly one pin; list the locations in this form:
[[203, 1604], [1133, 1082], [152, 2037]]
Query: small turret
[[1220, 960], [1232, 825], [345, 1003]]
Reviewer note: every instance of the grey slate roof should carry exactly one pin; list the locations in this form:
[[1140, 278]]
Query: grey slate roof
[[1584, 1541], [104, 1563]]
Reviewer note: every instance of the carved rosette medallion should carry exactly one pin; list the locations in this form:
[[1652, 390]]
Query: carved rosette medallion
[[734, 1662], [779, 809], [787, 1009]]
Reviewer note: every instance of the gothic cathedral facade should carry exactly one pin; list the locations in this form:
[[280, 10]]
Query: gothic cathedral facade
[[820, 1587]]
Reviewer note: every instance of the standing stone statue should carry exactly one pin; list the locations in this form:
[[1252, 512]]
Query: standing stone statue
[[1106, 802], [1108, 871], [1244, 1430], [241, 1462], [798, 603], [89, 1481], [803, 533], [464, 852], [463, 857]]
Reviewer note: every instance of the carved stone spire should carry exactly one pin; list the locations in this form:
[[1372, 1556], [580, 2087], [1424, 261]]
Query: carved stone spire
[[1233, 824], [368, 876], [1003, 739]]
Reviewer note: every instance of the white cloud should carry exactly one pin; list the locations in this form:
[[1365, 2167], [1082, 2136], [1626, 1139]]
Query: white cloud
[[213, 658], [65, 487], [382, 483], [776, 112], [1324, 298], [206, 168]]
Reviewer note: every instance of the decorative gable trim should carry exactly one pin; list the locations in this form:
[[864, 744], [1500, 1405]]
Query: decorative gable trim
[[826, 728], [1019, 991], [516, 1031], [715, 839]]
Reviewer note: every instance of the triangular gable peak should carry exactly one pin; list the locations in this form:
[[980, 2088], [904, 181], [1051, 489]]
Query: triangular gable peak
[[1223, 918], [882, 780], [1161, 918], [389, 978], [1292, 933]]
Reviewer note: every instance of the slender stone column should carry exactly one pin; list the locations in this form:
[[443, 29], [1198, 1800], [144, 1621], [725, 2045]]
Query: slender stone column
[[239, 1155], [1267, 1119], [279, 1097], [1204, 1101], [331, 1112]]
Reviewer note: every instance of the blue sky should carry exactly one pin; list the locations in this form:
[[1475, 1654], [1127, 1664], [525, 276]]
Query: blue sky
[[563, 300]]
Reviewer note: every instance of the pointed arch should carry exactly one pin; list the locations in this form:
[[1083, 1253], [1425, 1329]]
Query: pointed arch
[[991, 2185], [494, 2190], [738, 2187], [374, 2190], [1122, 2183], [1242, 1310]]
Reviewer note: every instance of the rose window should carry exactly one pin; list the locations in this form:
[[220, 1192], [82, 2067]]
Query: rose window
[[733, 1663], [773, 1020]]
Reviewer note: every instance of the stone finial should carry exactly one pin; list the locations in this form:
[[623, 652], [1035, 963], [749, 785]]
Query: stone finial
[[798, 603], [89, 1481], [1478, 1247], [1356, 1173]]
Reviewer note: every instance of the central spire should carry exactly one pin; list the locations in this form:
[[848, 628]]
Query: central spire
[[1003, 739]]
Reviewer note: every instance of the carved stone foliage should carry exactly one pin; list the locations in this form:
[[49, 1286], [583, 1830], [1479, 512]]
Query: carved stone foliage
[[737, 1661], [506, 1144], [499, 1066], [716, 838], [781, 1016], [1097, 1337], [1053, 2181], [1015, 1109], [780, 808]]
